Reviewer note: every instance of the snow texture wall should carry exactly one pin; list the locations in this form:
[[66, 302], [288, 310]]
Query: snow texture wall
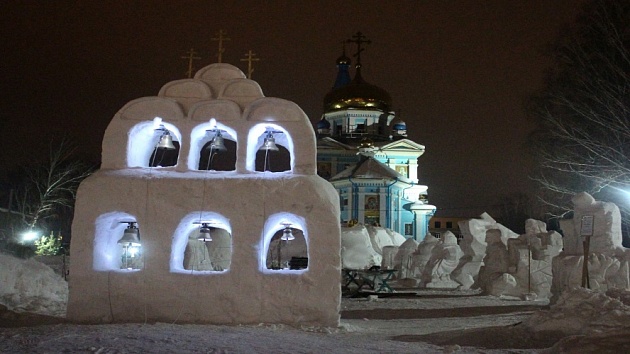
[[165, 202]]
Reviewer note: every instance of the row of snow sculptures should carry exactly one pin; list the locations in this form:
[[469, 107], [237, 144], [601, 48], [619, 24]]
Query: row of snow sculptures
[[213, 242], [607, 259], [428, 263]]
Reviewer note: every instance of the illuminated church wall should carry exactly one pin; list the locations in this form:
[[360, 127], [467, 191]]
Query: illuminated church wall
[[172, 275]]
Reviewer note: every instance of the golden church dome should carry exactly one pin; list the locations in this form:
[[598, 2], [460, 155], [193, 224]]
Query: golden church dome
[[358, 94]]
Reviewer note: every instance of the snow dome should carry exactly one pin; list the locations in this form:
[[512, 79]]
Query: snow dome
[[198, 213]]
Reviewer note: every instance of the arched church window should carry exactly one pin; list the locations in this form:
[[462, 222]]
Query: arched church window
[[209, 248], [272, 156], [166, 150], [219, 153], [287, 249], [202, 244], [117, 243]]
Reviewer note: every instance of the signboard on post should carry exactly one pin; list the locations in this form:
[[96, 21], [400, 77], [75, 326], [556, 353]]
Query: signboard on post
[[586, 228]]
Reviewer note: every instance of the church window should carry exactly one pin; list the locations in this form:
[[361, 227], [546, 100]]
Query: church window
[[202, 244], [209, 248], [285, 245], [269, 149], [213, 159], [166, 150], [117, 243], [408, 229]]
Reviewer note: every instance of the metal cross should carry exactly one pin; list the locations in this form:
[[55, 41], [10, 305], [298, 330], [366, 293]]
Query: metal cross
[[359, 39], [220, 38], [249, 58], [191, 56]]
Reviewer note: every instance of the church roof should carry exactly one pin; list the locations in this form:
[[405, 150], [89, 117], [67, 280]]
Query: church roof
[[358, 94], [352, 144], [370, 168]]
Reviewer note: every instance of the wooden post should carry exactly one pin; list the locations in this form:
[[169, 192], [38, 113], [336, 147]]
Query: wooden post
[[585, 279], [586, 231]]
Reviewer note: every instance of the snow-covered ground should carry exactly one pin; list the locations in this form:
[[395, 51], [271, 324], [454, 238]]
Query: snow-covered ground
[[427, 321]]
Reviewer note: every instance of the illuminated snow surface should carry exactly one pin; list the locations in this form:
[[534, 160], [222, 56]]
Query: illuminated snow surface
[[454, 321]]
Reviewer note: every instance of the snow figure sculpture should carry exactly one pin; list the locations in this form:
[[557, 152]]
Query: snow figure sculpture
[[444, 259], [474, 247], [403, 260], [599, 224], [138, 199], [389, 257], [421, 257], [493, 275], [528, 274]]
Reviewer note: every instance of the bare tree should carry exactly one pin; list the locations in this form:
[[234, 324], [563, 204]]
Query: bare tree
[[49, 188], [583, 139]]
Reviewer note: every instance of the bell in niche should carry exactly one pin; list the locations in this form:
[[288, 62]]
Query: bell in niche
[[287, 234], [217, 144], [204, 233], [130, 242], [166, 141], [269, 144]]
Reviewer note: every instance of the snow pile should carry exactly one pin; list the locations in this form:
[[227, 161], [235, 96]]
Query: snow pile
[[362, 247], [356, 248], [27, 285], [382, 237], [582, 311]]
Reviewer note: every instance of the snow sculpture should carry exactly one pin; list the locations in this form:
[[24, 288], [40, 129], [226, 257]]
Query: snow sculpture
[[473, 245], [389, 257], [524, 268], [422, 255], [608, 260], [403, 260], [363, 246], [444, 259], [356, 248], [237, 207]]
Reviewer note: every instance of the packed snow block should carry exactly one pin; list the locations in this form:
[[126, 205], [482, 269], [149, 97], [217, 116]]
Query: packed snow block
[[607, 260], [356, 248], [171, 238], [473, 245], [248, 292]]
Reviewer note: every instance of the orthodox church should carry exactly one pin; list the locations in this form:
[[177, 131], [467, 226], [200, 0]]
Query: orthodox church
[[363, 150]]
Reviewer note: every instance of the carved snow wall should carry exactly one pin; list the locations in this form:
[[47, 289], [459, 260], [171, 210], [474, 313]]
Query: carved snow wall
[[177, 276], [607, 259]]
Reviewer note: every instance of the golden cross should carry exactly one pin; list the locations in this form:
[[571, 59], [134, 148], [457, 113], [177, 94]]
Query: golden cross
[[191, 56], [249, 59], [220, 39]]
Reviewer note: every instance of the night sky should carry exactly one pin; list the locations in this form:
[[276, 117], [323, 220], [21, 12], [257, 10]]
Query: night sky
[[459, 72]]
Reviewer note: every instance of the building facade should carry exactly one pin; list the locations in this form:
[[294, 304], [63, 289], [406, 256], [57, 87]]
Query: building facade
[[363, 150]]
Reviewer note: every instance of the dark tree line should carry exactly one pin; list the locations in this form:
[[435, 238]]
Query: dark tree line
[[583, 139]]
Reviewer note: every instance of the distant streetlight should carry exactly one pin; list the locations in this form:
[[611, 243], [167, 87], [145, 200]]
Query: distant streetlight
[[29, 236]]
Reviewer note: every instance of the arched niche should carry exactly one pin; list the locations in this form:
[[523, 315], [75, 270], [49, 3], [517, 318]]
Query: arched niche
[[110, 252], [143, 142], [191, 255], [201, 137], [279, 256], [258, 160]]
